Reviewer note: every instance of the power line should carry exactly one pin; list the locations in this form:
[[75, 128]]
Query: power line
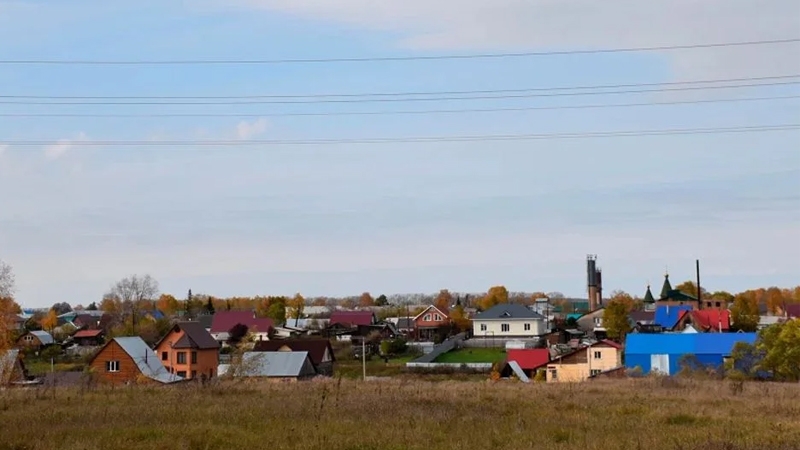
[[153, 62], [397, 100], [396, 94], [414, 139], [404, 112]]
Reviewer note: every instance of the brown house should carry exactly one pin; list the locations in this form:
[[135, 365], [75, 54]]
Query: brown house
[[320, 351], [130, 360], [431, 321], [88, 338], [189, 351], [35, 340]]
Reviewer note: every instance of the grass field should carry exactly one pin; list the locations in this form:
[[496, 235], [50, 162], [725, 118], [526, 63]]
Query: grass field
[[398, 415], [473, 355]]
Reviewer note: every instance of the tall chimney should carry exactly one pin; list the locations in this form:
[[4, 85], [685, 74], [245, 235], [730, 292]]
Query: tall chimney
[[599, 282], [699, 294], [591, 281]]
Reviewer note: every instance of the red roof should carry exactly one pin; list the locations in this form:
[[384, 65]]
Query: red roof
[[711, 319], [225, 320], [352, 317], [87, 333], [793, 310], [529, 358], [609, 343]]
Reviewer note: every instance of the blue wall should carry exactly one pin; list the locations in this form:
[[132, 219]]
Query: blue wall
[[709, 348]]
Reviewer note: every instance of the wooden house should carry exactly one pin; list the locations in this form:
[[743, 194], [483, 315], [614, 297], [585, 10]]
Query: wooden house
[[130, 360]]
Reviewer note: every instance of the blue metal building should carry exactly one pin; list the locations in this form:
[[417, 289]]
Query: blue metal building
[[662, 352], [668, 316]]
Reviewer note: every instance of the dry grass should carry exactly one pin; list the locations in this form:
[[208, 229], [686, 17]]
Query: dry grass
[[401, 414]]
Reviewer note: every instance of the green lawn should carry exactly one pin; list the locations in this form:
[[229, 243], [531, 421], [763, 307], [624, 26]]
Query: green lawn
[[473, 355]]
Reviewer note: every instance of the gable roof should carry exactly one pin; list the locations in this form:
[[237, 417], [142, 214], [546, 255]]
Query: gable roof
[[276, 364], [642, 317], [352, 318], [87, 333], [708, 319], [668, 316], [314, 347], [194, 336], [581, 348], [44, 337], [223, 321], [205, 320], [792, 310], [529, 358], [145, 359], [86, 320], [9, 361], [508, 311], [445, 313]]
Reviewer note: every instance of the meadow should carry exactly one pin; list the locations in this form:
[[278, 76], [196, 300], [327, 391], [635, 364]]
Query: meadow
[[406, 413]]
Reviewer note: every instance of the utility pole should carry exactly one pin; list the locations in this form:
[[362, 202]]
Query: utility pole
[[364, 357]]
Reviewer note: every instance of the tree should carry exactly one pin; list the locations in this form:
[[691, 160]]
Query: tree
[[132, 292], [50, 321], [8, 309], [111, 304], [296, 305], [443, 300], [6, 280], [744, 313], [237, 333], [774, 299], [366, 300], [690, 287], [210, 306], [381, 300], [277, 309], [495, 296], [460, 319], [615, 316], [321, 301], [92, 306], [778, 344], [61, 308], [167, 304]]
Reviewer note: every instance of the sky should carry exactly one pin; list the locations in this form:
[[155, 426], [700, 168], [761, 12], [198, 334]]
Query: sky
[[339, 218]]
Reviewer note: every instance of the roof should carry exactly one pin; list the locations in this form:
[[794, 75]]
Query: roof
[[668, 315], [508, 311], [529, 358], [276, 364], [44, 337], [666, 287], [405, 322], [643, 317], [648, 296], [314, 347], [445, 312], [194, 336], [145, 359], [711, 319], [793, 310], [682, 343], [677, 295], [205, 320], [581, 348], [518, 372], [85, 320], [87, 334], [225, 320], [352, 317]]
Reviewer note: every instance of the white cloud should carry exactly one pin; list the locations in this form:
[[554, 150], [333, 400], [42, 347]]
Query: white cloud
[[567, 24], [248, 130], [57, 150]]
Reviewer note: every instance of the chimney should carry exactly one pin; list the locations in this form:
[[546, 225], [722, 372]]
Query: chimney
[[599, 280], [591, 280]]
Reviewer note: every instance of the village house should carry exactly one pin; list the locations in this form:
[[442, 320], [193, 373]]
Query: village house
[[320, 351], [89, 338], [529, 361], [345, 324], [508, 320], [432, 322], [35, 340], [275, 366], [584, 362], [705, 321], [130, 360], [224, 321], [189, 351]]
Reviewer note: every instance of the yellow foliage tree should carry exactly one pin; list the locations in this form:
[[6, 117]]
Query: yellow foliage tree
[[460, 319], [295, 306], [366, 300], [496, 295], [50, 321], [8, 309], [168, 304], [443, 300]]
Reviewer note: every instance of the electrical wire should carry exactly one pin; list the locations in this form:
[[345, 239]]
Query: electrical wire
[[401, 112], [412, 139], [153, 62]]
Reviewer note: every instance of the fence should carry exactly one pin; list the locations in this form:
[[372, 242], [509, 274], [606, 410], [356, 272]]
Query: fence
[[475, 367]]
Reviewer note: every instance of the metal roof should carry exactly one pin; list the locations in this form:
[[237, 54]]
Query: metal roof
[[508, 311], [44, 337], [146, 359], [685, 343], [668, 316], [275, 364]]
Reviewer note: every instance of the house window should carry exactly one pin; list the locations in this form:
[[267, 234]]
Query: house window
[[29, 338], [427, 318], [182, 373], [594, 372], [437, 317], [483, 327], [718, 304], [112, 366], [164, 356], [505, 328], [553, 374], [598, 355], [527, 327], [598, 321], [194, 358], [181, 357]]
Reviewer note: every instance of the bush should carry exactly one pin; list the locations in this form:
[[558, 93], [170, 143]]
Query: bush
[[394, 346], [540, 377]]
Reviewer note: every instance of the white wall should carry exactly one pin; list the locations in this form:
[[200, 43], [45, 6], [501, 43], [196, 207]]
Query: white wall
[[516, 327]]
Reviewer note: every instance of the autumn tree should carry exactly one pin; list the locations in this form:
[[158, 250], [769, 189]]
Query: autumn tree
[[460, 319], [744, 313], [496, 295], [443, 300], [167, 304], [295, 307], [366, 300], [778, 344], [615, 315], [8, 309], [348, 303], [50, 321], [319, 301], [132, 292], [774, 299], [690, 287]]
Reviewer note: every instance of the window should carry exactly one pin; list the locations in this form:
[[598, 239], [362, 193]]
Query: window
[[553, 374], [194, 358], [505, 328], [29, 338], [194, 374], [598, 321], [182, 373], [483, 327], [164, 356], [527, 327], [181, 357], [718, 304], [437, 317], [112, 366], [594, 372], [427, 318], [598, 355]]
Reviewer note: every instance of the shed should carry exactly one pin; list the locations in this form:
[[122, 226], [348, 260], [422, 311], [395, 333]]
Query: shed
[[281, 365], [662, 352]]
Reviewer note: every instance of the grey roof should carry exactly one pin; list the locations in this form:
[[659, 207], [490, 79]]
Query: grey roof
[[508, 311], [405, 322], [146, 359], [519, 372], [205, 320], [276, 364], [44, 337], [194, 336]]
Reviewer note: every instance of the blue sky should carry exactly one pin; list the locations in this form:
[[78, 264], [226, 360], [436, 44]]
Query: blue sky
[[399, 217]]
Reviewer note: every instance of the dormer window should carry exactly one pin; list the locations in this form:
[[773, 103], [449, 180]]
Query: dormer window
[[506, 314]]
